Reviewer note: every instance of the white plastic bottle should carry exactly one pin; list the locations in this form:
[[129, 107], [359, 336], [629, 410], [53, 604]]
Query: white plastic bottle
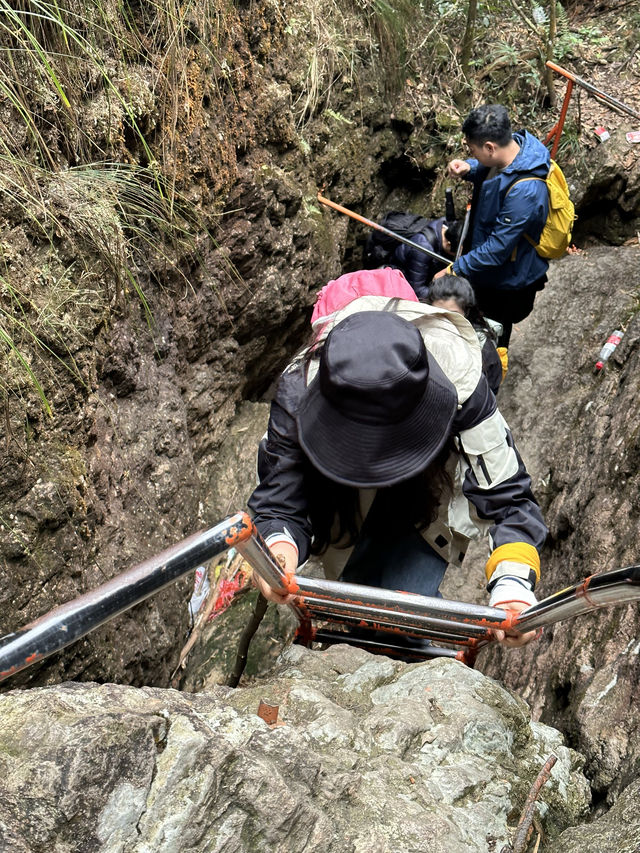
[[611, 343]]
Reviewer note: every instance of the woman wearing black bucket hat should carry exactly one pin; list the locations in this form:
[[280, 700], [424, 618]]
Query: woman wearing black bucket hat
[[367, 438]]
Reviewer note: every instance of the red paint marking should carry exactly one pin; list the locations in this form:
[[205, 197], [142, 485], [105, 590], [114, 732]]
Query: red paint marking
[[240, 531], [7, 672], [291, 585], [226, 593], [268, 713]]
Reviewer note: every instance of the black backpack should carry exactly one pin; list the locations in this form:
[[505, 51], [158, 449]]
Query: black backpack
[[379, 247]]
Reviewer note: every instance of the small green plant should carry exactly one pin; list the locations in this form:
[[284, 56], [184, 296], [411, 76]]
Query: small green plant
[[337, 116], [9, 351]]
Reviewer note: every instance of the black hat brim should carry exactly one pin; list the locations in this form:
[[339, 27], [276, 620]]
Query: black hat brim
[[368, 455]]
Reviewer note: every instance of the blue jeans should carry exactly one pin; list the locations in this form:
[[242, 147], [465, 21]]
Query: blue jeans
[[402, 561]]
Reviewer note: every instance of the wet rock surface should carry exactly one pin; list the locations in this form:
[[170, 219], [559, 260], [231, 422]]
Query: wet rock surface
[[578, 434]]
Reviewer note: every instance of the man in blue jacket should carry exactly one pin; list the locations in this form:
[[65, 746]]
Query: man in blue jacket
[[507, 217]]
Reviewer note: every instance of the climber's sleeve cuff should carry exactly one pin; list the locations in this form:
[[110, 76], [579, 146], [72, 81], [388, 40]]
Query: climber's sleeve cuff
[[522, 556], [282, 536]]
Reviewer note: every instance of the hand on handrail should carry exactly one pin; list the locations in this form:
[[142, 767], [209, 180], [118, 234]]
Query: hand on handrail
[[287, 558], [513, 639]]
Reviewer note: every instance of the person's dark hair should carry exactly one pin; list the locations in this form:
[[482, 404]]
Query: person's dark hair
[[376, 256], [452, 232], [334, 509], [459, 288], [488, 123]]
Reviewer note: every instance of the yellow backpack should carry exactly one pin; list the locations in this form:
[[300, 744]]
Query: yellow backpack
[[556, 234]]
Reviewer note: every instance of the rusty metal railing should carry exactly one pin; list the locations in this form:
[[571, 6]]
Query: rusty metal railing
[[381, 620], [572, 79]]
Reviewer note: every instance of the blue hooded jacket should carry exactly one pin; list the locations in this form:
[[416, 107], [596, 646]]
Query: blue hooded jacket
[[500, 256]]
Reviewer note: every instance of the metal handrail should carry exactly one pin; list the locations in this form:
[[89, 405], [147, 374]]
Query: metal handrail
[[620, 586], [378, 227], [556, 131], [72, 621], [372, 608]]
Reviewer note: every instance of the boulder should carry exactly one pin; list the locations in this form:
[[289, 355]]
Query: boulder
[[367, 754]]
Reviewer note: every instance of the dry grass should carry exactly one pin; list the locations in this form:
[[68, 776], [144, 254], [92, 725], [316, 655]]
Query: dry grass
[[345, 41]]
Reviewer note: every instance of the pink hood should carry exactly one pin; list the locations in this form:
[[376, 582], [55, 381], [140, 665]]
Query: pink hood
[[341, 291]]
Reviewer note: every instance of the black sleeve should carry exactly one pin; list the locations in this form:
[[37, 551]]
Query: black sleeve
[[279, 501], [418, 267], [491, 365]]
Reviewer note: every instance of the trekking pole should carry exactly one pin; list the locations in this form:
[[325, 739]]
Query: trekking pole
[[381, 228], [449, 206], [463, 233]]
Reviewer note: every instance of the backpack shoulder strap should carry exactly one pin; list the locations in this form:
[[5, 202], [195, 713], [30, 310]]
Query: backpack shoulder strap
[[522, 180], [509, 188]]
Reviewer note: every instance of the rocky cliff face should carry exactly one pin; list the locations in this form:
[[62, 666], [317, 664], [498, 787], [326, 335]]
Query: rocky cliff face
[[578, 432], [142, 400], [150, 439], [366, 754], [280, 102]]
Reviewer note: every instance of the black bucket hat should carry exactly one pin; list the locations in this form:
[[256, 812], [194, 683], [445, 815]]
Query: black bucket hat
[[380, 408]]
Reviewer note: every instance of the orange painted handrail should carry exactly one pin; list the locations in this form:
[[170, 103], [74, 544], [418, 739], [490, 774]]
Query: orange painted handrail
[[378, 227], [573, 79]]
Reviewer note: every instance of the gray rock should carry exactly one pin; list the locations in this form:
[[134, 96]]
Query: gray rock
[[618, 830], [368, 755], [578, 433]]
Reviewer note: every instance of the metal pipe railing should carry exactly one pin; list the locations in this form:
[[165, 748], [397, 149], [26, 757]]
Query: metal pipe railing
[[556, 131], [69, 622], [376, 225], [372, 608], [620, 586], [401, 602], [600, 94], [428, 631], [391, 618]]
